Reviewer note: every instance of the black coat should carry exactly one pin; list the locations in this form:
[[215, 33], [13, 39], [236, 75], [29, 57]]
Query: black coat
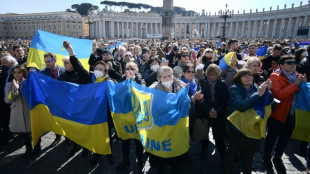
[[79, 74], [221, 97], [48, 72], [116, 72]]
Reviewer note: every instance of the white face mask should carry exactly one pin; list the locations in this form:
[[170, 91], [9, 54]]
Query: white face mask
[[98, 74], [154, 67], [304, 54], [167, 84]]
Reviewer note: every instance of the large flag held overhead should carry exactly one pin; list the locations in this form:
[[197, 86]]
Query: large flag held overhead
[[68, 109], [261, 52], [44, 41], [252, 122], [158, 119], [302, 113], [228, 61]]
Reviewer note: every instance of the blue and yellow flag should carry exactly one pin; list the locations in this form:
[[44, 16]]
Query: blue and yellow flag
[[44, 41], [158, 119], [112, 47], [68, 109], [228, 61], [302, 113], [252, 123], [261, 52]]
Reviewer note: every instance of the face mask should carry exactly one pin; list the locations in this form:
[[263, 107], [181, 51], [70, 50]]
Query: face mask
[[98, 74], [304, 54], [167, 84], [154, 67]]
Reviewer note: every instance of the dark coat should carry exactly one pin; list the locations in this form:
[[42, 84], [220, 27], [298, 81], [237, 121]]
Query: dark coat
[[79, 74], [221, 97], [116, 72], [150, 77], [48, 72], [304, 67], [93, 59]]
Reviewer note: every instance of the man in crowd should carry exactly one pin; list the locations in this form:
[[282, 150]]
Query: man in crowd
[[271, 62], [19, 54], [252, 49]]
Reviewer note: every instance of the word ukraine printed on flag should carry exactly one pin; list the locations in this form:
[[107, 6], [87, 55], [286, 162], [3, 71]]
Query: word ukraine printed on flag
[[228, 61], [68, 109], [252, 122], [158, 119], [302, 113], [44, 41]]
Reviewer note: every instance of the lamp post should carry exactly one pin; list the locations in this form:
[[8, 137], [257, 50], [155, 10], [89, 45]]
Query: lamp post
[[226, 14]]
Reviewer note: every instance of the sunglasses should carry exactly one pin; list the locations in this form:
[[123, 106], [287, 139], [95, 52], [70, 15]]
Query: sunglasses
[[132, 69], [190, 72], [66, 63], [291, 62], [209, 52], [184, 55]]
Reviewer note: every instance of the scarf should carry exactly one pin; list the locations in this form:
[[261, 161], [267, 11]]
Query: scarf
[[192, 85], [291, 77]]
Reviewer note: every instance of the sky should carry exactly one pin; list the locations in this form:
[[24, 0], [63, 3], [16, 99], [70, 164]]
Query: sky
[[39, 6]]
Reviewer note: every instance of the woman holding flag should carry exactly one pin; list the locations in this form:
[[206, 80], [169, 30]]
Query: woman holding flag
[[249, 105]]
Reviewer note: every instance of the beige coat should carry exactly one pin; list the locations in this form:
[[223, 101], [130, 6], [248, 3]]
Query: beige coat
[[178, 85], [20, 113]]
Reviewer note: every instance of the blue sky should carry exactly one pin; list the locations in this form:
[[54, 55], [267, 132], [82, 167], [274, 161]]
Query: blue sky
[[37, 6]]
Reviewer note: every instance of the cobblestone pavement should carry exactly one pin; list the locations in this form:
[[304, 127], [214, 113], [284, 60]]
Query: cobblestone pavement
[[57, 160]]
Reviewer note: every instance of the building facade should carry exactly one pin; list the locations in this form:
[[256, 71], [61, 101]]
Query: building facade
[[24, 26], [278, 23]]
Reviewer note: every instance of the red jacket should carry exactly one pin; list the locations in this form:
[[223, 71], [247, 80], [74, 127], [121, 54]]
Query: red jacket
[[283, 91]]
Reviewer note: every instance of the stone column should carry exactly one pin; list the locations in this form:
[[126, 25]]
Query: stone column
[[305, 23], [242, 29], [112, 35], [180, 30], [156, 29], [274, 28], [151, 28], [267, 29], [137, 29], [255, 29], [160, 28], [103, 30], [117, 29], [122, 30], [231, 29], [131, 29], [249, 30], [207, 32], [214, 31], [260, 32], [281, 28], [296, 26], [191, 30], [289, 28], [237, 30], [219, 30], [97, 29]]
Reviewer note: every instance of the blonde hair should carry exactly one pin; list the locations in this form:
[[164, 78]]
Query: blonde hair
[[133, 65], [213, 68], [66, 58], [251, 60], [214, 57]]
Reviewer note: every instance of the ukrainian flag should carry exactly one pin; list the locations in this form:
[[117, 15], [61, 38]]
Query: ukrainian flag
[[252, 123], [261, 52], [68, 109], [302, 113], [44, 41], [112, 47], [228, 61], [158, 119]]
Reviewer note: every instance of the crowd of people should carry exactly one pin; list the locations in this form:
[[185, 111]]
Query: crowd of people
[[169, 66]]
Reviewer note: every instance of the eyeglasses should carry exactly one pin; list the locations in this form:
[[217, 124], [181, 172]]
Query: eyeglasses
[[209, 52], [190, 72], [291, 62], [184, 55], [132, 69], [66, 63]]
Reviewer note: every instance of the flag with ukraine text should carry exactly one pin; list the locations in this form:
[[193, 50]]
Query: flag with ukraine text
[[68, 109], [252, 122], [158, 119], [302, 113], [44, 41]]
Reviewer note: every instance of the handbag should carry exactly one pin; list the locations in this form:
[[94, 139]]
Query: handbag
[[200, 130]]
